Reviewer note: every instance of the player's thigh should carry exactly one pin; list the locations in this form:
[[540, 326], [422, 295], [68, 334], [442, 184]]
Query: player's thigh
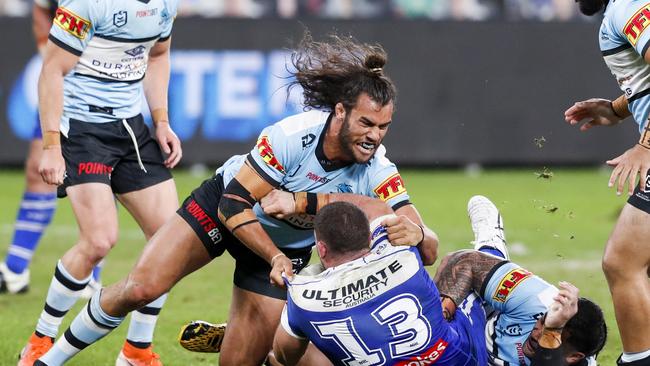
[[94, 209], [628, 247], [151, 207], [172, 253], [252, 323]]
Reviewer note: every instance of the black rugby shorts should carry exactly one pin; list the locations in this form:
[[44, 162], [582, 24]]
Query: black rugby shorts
[[105, 153], [199, 210], [639, 199]]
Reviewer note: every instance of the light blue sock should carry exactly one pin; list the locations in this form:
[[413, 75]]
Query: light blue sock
[[34, 215], [89, 326], [63, 293], [143, 322]]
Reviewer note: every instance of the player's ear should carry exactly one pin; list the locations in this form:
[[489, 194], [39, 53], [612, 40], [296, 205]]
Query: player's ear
[[339, 111], [322, 249], [574, 357]]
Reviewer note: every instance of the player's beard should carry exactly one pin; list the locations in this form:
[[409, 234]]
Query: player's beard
[[591, 7], [347, 143]]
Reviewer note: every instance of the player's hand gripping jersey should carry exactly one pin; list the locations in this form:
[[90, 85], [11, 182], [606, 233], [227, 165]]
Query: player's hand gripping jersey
[[382, 309], [289, 155], [113, 39], [520, 299], [624, 38]]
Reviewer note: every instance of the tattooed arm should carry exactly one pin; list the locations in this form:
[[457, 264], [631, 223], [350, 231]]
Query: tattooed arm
[[459, 274]]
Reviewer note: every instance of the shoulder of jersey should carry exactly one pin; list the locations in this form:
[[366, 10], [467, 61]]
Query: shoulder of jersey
[[380, 160], [310, 120], [378, 252]]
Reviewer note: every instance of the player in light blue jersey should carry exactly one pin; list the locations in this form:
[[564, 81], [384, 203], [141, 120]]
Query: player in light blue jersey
[[624, 41], [334, 147], [100, 58], [39, 199], [531, 322], [371, 303]]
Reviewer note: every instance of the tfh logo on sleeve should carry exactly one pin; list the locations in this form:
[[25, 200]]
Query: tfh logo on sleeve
[[71, 23], [391, 187], [637, 24]]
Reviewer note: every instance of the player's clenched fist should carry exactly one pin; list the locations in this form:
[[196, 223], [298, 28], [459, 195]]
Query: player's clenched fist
[[278, 203], [402, 231], [280, 264], [52, 166]]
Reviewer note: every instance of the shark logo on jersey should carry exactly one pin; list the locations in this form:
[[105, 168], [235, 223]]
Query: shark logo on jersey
[[637, 24], [164, 15], [120, 18], [391, 187], [344, 188], [136, 51], [71, 23]]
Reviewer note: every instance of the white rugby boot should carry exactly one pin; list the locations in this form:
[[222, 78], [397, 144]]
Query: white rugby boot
[[487, 225], [12, 282]]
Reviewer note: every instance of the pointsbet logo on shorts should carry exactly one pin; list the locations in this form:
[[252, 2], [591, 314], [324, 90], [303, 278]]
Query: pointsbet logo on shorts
[[391, 187], [71, 23], [511, 280], [266, 152], [637, 24]]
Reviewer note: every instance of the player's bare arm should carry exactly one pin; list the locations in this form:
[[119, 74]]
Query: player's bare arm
[[57, 62], [287, 349], [155, 83], [236, 212], [543, 344], [597, 112], [406, 228], [459, 274]]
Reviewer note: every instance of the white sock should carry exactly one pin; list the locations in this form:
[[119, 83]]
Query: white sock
[[631, 357]]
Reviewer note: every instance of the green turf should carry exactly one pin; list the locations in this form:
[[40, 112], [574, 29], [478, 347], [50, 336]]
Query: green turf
[[558, 226]]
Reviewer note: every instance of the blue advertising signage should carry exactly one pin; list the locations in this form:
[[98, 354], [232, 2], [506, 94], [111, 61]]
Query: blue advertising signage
[[217, 95]]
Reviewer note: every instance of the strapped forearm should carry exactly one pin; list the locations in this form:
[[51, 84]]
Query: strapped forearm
[[236, 211], [620, 107], [311, 203]]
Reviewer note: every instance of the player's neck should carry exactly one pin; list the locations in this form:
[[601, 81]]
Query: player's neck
[[339, 260]]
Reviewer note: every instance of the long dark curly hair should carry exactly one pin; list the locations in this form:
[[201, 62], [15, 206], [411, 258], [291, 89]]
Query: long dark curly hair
[[339, 70]]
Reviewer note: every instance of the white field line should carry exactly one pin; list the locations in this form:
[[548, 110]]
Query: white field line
[[6, 230]]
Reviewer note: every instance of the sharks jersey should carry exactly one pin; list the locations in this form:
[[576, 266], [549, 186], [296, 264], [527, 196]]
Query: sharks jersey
[[382, 309], [624, 39], [112, 39], [520, 299], [289, 155]]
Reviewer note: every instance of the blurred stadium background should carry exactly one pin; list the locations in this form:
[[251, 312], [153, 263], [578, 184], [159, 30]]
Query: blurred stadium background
[[483, 85]]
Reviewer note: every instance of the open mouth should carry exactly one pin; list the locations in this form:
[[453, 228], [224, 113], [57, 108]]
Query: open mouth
[[367, 146]]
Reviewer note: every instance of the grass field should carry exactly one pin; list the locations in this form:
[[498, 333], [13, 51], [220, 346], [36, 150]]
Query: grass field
[[557, 228]]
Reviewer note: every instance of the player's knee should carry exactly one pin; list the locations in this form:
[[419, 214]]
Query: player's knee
[[98, 246], [140, 293], [614, 265]]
